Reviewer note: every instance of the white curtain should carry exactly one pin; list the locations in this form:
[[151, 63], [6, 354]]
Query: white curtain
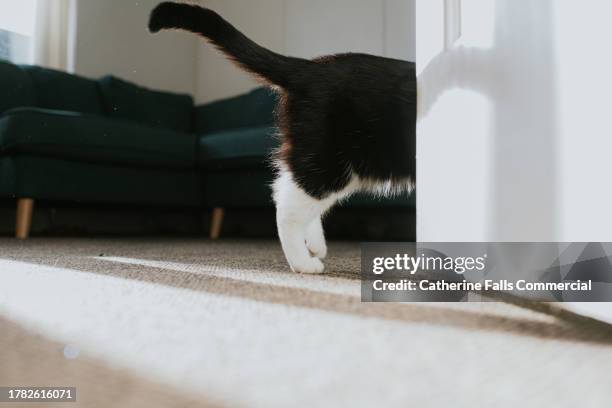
[[54, 34]]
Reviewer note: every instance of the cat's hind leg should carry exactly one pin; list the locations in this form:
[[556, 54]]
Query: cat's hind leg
[[295, 212]]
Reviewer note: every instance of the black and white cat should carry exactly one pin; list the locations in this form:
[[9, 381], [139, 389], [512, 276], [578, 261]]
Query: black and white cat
[[347, 121]]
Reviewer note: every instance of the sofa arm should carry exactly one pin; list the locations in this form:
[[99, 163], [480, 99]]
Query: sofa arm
[[249, 110], [16, 87]]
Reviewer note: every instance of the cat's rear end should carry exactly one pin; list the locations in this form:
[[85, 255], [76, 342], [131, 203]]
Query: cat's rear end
[[351, 115], [347, 123]]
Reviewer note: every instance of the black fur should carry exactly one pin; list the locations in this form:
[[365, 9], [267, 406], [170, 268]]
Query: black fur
[[340, 115]]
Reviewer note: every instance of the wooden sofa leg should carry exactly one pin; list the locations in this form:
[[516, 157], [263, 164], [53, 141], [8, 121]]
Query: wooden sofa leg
[[216, 223], [25, 207]]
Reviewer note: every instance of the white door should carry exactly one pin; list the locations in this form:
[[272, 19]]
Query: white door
[[515, 136]]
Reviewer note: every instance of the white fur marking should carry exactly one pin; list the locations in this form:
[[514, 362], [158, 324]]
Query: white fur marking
[[298, 216]]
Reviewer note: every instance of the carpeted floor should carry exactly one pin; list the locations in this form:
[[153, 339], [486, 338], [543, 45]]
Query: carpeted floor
[[189, 323]]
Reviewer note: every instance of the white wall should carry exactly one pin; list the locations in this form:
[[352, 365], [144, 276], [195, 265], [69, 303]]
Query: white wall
[[582, 31], [112, 38], [306, 28], [514, 137]]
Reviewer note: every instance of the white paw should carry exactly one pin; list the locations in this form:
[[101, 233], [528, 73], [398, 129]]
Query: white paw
[[310, 266], [317, 247], [315, 239]]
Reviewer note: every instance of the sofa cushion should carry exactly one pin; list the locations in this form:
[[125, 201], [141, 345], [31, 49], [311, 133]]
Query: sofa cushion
[[93, 138], [62, 91], [253, 109], [124, 100], [237, 149], [16, 87]]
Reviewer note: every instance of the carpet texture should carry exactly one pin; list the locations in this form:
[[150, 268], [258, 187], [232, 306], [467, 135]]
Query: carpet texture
[[190, 323]]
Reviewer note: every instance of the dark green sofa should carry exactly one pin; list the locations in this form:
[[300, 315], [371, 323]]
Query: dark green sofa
[[73, 139]]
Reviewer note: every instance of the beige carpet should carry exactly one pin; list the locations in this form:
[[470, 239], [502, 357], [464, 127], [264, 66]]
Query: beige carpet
[[188, 323]]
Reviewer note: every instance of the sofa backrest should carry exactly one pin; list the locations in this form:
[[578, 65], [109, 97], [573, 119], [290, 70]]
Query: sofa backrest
[[16, 87], [253, 109], [124, 100], [62, 91], [33, 86]]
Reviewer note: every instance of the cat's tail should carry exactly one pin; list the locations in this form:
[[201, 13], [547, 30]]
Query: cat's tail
[[273, 68]]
